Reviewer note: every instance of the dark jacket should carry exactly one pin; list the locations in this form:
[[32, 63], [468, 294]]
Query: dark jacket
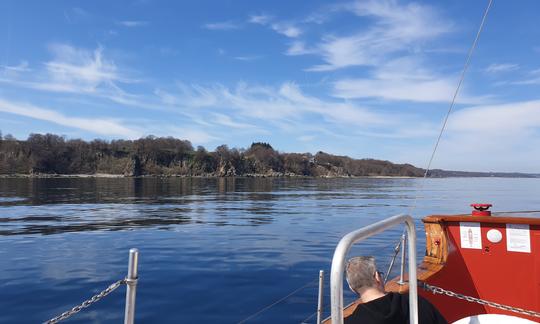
[[394, 308]]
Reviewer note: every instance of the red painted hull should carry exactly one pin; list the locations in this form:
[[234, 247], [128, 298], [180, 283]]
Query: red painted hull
[[492, 272]]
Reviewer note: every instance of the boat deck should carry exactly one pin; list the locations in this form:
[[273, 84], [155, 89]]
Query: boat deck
[[493, 258]]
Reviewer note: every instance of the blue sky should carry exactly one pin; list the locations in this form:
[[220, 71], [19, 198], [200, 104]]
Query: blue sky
[[358, 78]]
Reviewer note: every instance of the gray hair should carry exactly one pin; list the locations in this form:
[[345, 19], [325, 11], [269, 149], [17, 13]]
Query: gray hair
[[361, 272]]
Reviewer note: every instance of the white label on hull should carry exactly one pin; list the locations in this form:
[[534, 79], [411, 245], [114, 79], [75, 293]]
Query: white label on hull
[[471, 237], [518, 238]]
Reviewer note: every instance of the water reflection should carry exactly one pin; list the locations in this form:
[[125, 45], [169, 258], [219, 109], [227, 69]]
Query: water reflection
[[231, 245], [60, 205]]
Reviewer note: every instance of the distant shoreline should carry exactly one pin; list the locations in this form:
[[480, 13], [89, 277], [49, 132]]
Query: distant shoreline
[[209, 176], [114, 176], [52, 156]]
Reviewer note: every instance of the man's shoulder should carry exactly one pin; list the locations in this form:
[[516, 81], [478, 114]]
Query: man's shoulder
[[427, 312]]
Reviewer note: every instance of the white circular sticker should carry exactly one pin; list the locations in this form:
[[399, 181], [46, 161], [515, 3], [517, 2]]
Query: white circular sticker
[[494, 236]]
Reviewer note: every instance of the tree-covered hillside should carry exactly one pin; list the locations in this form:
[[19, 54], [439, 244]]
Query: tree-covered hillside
[[53, 154]]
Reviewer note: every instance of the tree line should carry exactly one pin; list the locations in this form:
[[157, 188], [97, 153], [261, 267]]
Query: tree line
[[168, 156]]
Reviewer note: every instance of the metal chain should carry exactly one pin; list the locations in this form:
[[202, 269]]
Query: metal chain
[[442, 291], [86, 303]]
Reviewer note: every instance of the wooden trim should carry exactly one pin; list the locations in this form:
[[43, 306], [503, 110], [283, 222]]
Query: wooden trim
[[436, 255], [482, 219], [437, 248]]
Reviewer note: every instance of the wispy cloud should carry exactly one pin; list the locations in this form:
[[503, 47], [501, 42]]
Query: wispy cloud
[[189, 95], [299, 48], [133, 23], [288, 29], [125, 128], [247, 58], [286, 107], [79, 68], [194, 135], [436, 90], [75, 15], [101, 126], [512, 117], [223, 25], [318, 17], [507, 133], [499, 68], [78, 71], [226, 120], [531, 78], [21, 67], [260, 19], [397, 28], [306, 138], [403, 79]]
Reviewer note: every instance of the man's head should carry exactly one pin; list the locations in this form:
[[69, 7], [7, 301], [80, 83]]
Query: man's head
[[362, 274]]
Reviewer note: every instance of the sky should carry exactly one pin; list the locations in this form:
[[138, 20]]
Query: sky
[[367, 79]]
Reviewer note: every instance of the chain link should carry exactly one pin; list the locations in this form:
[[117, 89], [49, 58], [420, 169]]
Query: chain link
[[442, 291], [86, 303]]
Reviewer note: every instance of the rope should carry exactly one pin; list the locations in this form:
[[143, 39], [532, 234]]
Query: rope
[[465, 67], [278, 301]]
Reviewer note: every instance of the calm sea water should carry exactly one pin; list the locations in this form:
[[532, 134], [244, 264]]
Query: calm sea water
[[211, 250]]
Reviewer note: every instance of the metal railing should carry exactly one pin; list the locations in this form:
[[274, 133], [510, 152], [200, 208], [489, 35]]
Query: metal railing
[[131, 283], [344, 245]]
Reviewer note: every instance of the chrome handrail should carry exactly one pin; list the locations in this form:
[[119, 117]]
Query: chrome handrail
[[342, 249]]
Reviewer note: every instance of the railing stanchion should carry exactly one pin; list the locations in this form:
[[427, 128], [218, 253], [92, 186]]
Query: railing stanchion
[[320, 302], [131, 283], [402, 273]]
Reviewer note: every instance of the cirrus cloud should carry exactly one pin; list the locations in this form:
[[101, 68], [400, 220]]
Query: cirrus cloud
[[101, 126], [397, 28]]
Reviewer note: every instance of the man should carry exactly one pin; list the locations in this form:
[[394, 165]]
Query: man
[[377, 306]]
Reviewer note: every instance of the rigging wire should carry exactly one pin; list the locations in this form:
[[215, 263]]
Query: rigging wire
[[305, 321], [516, 212], [454, 97], [450, 108], [278, 301]]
